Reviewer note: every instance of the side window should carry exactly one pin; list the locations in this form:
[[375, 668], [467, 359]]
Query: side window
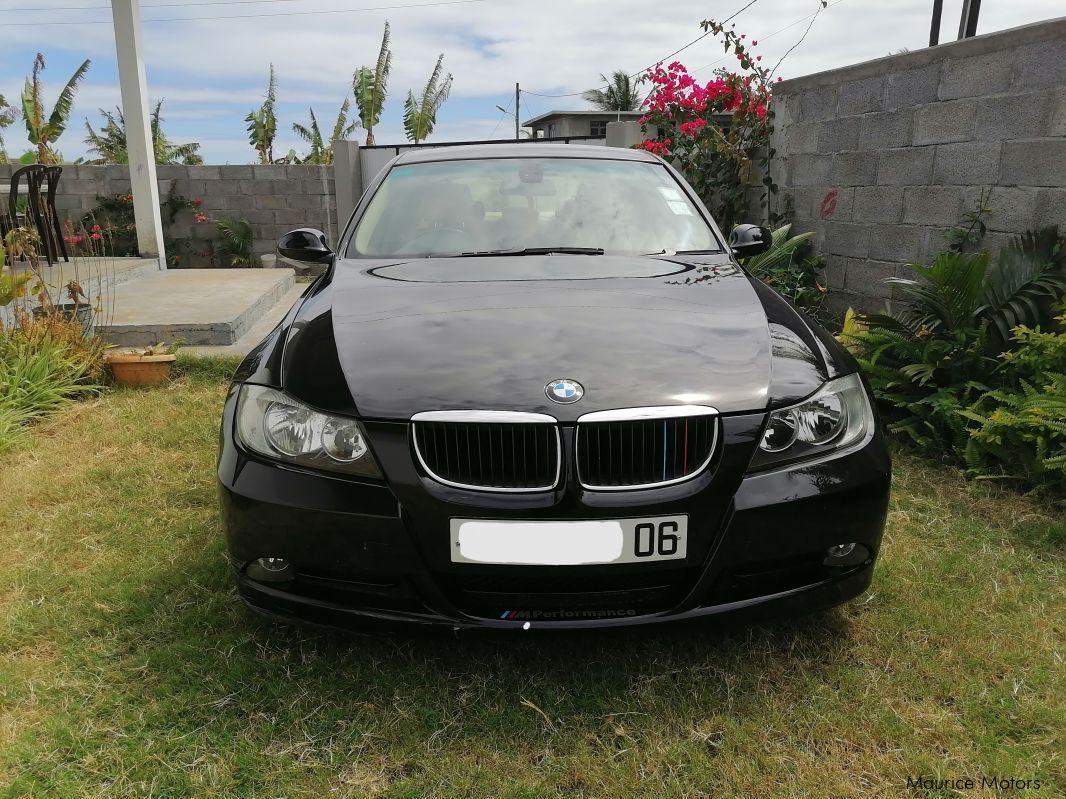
[[598, 127]]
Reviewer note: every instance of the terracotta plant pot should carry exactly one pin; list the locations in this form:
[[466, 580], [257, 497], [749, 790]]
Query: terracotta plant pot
[[130, 369]]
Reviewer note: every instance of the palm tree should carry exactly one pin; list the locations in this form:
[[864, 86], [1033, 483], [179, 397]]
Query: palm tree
[[263, 124], [110, 141], [42, 132], [321, 152], [618, 93], [420, 113], [371, 87]]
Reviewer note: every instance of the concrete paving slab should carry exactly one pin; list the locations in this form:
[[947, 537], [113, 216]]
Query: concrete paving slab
[[199, 306], [257, 332]]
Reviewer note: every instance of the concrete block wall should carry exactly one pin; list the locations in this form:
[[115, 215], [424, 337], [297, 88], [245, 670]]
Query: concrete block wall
[[880, 158], [274, 198]]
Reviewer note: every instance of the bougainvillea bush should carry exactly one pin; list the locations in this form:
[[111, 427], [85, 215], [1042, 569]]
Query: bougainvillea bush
[[716, 132]]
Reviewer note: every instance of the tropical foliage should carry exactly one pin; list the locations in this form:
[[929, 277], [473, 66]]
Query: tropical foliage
[[962, 345], [8, 115], [420, 113], [263, 123], [321, 151], [791, 269], [234, 245], [44, 127], [371, 88], [109, 143], [618, 93]]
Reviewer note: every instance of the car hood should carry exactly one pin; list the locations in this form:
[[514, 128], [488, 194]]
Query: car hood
[[491, 333]]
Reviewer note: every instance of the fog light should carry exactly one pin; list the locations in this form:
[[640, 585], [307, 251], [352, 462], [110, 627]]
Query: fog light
[[271, 570], [846, 555]]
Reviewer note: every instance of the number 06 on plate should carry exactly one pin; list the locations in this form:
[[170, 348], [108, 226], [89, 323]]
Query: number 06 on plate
[[569, 543]]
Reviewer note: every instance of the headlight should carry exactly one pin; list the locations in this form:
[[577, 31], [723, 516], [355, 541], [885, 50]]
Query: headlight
[[838, 415], [280, 427]]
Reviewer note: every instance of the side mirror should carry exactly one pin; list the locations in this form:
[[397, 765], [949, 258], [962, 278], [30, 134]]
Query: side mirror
[[748, 240], [305, 245]]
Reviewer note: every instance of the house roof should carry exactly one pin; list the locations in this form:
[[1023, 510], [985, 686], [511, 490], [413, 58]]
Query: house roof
[[625, 115]]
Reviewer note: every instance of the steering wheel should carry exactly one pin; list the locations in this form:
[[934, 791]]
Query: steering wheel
[[441, 239]]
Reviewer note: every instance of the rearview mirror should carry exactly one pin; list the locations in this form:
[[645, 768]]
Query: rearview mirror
[[748, 240], [305, 245]]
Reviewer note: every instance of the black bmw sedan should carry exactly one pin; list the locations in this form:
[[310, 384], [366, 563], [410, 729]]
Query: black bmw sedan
[[534, 388]]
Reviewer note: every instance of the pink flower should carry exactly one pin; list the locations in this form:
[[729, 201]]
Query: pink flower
[[197, 202], [200, 216], [95, 237], [96, 228]]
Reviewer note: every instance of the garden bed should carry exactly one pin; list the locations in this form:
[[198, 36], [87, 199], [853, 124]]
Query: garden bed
[[128, 668]]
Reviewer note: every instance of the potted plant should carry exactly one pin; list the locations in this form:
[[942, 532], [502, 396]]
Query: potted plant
[[144, 366]]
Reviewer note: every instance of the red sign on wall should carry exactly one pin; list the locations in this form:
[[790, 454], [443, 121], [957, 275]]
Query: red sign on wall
[[829, 204]]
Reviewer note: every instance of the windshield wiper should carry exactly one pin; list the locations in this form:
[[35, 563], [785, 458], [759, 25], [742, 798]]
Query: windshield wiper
[[533, 251], [684, 252]]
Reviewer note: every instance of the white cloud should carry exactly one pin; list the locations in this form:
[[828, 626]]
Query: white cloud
[[212, 72]]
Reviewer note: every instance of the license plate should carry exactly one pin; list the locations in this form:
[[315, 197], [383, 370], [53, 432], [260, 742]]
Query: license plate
[[569, 543]]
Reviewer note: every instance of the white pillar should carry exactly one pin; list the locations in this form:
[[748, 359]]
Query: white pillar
[[128, 46]]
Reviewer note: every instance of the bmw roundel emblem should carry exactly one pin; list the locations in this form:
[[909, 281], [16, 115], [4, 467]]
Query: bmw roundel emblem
[[564, 391]]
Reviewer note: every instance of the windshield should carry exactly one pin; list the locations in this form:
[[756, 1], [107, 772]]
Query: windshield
[[517, 204]]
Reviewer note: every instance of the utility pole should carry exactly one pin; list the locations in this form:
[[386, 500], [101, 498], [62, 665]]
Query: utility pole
[[517, 105], [934, 28]]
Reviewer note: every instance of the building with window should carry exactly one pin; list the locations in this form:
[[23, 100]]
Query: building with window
[[567, 124]]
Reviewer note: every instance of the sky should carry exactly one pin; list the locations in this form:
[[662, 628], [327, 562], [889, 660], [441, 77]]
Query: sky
[[211, 72]]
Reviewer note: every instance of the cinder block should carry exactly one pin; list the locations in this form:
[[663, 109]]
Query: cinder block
[[256, 187], [271, 201], [835, 272], [853, 169], [934, 242], [1057, 126], [1050, 209], [810, 169], [847, 238], [261, 246], [976, 76], [799, 137], [1023, 116], [878, 204], [968, 163], [171, 172], [886, 129], [1034, 162], [867, 278], [841, 133], [1013, 209], [945, 122], [236, 172], [258, 217], [900, 243], [1041, 65], [202, 172], [820, 103], [269, 171], [913, 87], [861, 96], [932, 205]]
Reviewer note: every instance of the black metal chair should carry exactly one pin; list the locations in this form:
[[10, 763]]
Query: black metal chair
[[41, 207]]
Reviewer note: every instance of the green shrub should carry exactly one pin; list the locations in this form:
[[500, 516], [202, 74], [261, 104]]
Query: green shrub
[[961, 368], [44, 366], [1020, 430], [790, 269]]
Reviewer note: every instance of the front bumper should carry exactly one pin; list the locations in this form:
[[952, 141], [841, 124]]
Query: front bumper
[[366, 552]]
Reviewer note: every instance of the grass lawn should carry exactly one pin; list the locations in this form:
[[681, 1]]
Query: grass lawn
[[129, 669]]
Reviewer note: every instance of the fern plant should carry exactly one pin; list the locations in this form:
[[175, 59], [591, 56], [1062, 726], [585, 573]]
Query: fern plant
[[234, 245]]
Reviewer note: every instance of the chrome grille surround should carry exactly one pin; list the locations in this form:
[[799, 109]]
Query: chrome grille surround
[[462, 421], [644, 417]]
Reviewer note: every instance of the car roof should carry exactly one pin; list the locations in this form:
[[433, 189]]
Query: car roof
[[521, 150]]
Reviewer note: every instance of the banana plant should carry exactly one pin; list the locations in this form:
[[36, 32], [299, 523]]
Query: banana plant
[[44, 128], [321, 151], [371, 88], [263, 124], [420, 113], [110, 141]]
